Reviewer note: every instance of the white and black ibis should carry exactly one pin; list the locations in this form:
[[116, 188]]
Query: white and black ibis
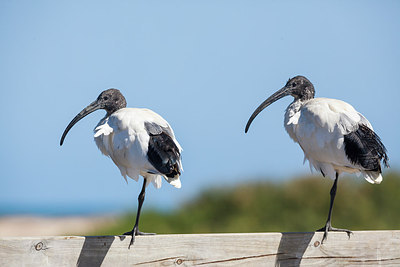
[[139, 141], [334, 137]]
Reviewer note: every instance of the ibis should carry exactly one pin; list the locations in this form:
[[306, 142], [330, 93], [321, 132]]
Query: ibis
[[334, 137], [139, 142]]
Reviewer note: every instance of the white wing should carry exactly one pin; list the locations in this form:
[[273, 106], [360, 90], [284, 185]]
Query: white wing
[[320, 129], [122, 136]]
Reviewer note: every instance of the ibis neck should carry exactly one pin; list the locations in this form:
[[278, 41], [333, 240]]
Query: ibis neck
[[115, 106], [114, 109], [304, 97], [294, 107], [110, 112]]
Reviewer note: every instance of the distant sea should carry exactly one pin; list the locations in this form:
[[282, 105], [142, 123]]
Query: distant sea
[[61, 210]]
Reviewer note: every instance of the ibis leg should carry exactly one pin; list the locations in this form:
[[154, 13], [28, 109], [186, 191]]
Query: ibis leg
[[135, 231], [328, 226]]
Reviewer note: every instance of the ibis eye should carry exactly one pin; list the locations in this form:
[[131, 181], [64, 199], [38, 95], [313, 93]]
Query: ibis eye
[[105, 98], [294, 84]]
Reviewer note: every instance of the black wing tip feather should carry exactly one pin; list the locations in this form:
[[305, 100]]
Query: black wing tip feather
[[164, 155], [365, 148]]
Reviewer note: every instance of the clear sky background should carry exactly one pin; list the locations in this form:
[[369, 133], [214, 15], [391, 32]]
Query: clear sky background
[[203, 65]]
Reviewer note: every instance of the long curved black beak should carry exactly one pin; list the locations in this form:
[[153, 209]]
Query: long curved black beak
[[86, 111], [276, 96]]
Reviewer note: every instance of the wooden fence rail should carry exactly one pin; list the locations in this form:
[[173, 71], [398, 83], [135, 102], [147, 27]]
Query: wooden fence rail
[[366, 248]]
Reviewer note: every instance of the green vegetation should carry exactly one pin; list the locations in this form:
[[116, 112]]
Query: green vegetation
[[294, 206]]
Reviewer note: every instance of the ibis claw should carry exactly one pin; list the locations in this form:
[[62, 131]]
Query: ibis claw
[[328, 228], [134, 233]]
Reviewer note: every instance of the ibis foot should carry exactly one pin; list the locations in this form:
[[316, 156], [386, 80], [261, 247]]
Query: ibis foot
[[328, 228], [137, 232]]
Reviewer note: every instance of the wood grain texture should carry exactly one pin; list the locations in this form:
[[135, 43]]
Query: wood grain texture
[[364, 248]]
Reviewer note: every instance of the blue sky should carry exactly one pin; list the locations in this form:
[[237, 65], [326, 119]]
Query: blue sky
[[203, 65]]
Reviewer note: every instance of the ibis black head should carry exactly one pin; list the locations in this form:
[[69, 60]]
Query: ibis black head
[[299, 87], [111, 100]]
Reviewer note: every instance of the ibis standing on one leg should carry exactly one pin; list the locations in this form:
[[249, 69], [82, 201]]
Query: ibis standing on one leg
[[334, 137], [139, 141]]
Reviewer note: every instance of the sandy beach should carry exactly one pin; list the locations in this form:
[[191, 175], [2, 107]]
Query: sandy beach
[[50, 226]]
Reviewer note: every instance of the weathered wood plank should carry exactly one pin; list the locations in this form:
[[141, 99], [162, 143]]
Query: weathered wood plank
[[256, 249]]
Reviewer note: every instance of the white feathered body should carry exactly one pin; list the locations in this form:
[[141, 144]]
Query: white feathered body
[[318, 125], [123, 137]]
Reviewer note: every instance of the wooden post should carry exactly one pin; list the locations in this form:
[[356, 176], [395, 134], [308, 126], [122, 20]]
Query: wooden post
[[255, 249]]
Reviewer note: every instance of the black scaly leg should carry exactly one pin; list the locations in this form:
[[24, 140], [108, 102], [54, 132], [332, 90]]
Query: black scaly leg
[[135, 231], [328, 225]]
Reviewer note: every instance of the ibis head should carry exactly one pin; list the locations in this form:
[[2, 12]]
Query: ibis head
[[110, 100], [299, 87]]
